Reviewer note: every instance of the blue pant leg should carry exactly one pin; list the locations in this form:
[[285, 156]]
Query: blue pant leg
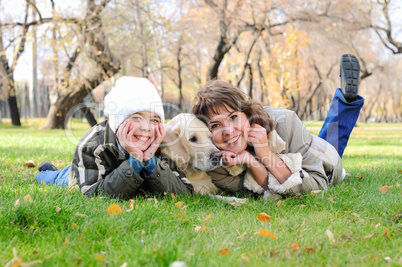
[[340, 121], [59, 177]]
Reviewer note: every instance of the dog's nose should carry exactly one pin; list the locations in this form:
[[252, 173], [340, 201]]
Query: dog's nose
[[216, 160]]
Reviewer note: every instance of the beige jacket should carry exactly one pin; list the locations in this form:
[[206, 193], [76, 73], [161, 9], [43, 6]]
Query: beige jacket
[[314, 163]]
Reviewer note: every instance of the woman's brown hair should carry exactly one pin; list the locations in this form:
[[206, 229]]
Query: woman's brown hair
[[223, 94]]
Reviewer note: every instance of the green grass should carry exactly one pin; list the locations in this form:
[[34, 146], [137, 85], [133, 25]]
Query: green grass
[[158, 233]]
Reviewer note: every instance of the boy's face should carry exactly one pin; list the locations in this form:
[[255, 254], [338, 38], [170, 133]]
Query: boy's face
[[144, 124]]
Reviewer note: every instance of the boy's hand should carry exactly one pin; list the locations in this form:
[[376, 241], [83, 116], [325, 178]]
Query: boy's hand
[[159, 135], [126, 141]]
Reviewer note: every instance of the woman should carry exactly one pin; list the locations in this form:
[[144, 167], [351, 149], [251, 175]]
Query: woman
[[269, 150]]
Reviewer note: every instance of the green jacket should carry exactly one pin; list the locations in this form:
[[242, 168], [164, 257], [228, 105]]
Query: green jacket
[[99, 166]]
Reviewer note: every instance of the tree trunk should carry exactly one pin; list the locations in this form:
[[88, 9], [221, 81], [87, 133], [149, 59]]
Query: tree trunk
[[14, 113]]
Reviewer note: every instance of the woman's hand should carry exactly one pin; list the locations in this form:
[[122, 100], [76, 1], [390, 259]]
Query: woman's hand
[[232, 159], [159, 135], [258, 137], [125, 139]]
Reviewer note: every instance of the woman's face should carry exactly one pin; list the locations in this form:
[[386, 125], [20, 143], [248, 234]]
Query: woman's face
[[229, 129]]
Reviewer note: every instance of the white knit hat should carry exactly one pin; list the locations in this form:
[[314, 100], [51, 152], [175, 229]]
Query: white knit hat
[[131, 95]]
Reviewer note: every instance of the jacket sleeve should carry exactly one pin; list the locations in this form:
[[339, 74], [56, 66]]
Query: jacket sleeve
[[92, 169], [163, 179]]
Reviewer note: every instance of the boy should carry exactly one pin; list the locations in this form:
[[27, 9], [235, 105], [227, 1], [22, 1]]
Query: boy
[[117, 156]]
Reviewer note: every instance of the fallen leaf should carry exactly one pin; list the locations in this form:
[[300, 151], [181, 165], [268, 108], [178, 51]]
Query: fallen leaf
[[74, 226], [273, 254], [207, 218], [315, 192], [179, 204], [80, 215], [295, 246], [180, 215], [130, 205], [99, 257], [361, 163], [57, 210], [245, 258], [310, 250], [65, 242], [28, 198], [200, 228], [264, 232], [17, 202], [29, 164], [278, 203], [224, 251], [152, 200], [263, 217], [369, 236], [287, 254], [242, 236], [114, 210], [330, 236], [386, 232], [359, 176], [173, 197], [235, 204], [384, 189], [375, 256]]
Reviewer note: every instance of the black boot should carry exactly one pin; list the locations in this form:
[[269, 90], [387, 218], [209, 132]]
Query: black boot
[[46, 166], [349, 73]]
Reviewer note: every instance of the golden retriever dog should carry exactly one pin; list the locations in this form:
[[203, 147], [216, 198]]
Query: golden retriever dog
[[188, 142]]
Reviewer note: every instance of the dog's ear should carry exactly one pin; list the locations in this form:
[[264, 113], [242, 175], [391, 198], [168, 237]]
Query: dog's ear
[[174, 145]]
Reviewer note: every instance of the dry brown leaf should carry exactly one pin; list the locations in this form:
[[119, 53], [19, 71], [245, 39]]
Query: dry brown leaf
[[375, 256], [287, 254], [235, 204], [130, 205], [65, 242], [180, 215], [295, 247], [154, 200], [173, 197], [278, 203], [29, 164], [224, 251], [242, 236], [80, 215], [200, 228], [384, 189], [330, 236], [207, 218], [57, 210], [263, 217], [359, 176], [369, 236], [310, 250], [245, 258], [315, 192], [114, 210], [179, 204], [74, 226], [264, 232], [28, 198], [386, 232]]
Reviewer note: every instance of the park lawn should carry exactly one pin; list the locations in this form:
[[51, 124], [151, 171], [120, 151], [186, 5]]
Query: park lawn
[[366, 224]]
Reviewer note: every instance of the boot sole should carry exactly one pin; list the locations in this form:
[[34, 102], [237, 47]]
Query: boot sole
[[349, 72]]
